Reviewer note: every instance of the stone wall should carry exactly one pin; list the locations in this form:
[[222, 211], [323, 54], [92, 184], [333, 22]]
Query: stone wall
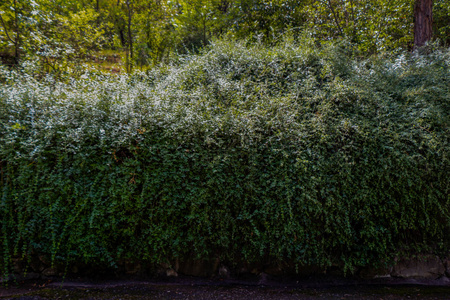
[[420, 267]]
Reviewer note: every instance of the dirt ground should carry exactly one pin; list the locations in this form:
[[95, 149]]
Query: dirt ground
[[259, 287]]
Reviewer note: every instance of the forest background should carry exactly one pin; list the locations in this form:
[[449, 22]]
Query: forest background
[[121, 35]]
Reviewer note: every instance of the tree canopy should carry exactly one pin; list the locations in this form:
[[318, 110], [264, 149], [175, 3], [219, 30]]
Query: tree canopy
[[146, 32]]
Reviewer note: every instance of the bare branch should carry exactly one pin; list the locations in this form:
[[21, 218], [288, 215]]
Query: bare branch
[[335, 17], [6, 30]]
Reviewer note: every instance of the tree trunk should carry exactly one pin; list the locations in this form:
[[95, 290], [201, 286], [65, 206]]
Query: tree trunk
[[423, 22], [130, 37], [204, 31], [17, 41], [16, 59], [335, 17]]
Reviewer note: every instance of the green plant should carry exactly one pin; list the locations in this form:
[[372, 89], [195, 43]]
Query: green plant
[[293, 152]]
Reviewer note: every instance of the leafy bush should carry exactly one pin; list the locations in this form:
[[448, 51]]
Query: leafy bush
[[295, 152]]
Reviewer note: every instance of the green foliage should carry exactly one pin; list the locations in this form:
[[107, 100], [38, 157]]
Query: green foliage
[[66, 34], [155, 36], [244, 152], [441, 15], [58, 38], [373, 25], [267, 19]]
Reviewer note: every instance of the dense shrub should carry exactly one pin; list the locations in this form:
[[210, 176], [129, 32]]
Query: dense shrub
[[295, 152]]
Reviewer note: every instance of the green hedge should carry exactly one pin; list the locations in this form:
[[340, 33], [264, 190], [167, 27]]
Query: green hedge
[[295, 152]]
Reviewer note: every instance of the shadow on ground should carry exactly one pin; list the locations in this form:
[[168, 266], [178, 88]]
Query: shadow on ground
[[259, 287]]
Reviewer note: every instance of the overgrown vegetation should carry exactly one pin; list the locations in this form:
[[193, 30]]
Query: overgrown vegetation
[[294, 152]]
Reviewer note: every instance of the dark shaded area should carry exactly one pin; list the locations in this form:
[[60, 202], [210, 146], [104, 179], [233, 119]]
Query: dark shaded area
[[7, 59], [251, 288]]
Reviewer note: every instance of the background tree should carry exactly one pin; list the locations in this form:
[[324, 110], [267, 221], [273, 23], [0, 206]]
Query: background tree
[[12, 26], [63, 34], [265, 18], [155, 37], [194, 22], [129, 49], [441, 23], [373, 25], [56, 33], [423, 22]]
